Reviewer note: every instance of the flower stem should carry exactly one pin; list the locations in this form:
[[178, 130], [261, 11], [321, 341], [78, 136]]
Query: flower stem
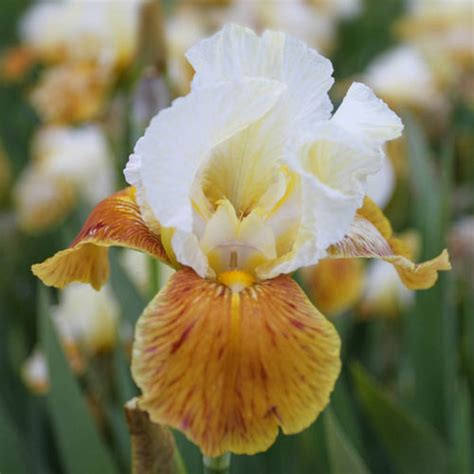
[[217, 465]]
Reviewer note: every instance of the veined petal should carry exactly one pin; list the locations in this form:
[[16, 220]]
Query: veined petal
[[180, 139], [235, 52], [371, 236], [366, 116], [116, 221], [227, 368]]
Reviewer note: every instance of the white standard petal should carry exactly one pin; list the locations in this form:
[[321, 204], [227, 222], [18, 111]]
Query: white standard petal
[[236, 52], [380, 186], [367, 117], [333, 166], [326, 214], [180, 139], [338, 159]]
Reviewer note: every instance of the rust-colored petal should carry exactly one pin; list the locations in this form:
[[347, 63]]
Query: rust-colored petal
[[371, 236], [228, 368], [115, 221]]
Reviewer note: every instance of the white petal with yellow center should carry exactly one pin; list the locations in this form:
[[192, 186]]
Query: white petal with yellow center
[[248, 171]]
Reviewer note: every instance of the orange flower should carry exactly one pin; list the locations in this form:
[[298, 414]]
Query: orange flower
[[236, 185]]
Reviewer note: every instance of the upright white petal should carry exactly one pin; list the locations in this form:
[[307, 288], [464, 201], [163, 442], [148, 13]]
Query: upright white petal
[[236, 52], [367, 116], [179, 140]]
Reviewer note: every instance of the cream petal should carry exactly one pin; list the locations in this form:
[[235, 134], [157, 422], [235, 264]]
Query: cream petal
[[243, 168], [339, 159], [180, 139], [334, 161], [248, 241], [235, 52], [323, 210], [367, 117], [380, 186], [188, 252], [333, 167]]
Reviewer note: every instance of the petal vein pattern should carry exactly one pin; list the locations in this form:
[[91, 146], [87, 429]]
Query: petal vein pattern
[[115, 221], [180, 139], [371, 236], [229, 368]]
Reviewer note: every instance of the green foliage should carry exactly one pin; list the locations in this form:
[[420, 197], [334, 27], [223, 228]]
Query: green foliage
[[12, 451], [412, 445], [343, 457], [81, 447]]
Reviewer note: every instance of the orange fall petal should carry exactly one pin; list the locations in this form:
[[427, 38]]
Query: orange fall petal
[[228, 368], [115, 221]]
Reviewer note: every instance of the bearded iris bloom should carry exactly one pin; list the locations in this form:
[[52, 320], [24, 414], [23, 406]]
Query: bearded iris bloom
[[236, 185]]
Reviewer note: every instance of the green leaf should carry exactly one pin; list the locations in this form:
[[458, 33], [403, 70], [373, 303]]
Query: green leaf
[[425, 186], [81, 448], [462, 436], [129, 298], [343, 458], [412, 445], [431, 331], [342, 404], [12, 451]]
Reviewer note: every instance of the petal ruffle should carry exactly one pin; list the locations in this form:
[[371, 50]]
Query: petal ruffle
[[371, 236], [115, 221], [235, 52], [227, 368]]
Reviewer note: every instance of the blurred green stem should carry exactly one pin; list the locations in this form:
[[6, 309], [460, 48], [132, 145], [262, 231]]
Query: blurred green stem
[[154, 281], [217, 465]]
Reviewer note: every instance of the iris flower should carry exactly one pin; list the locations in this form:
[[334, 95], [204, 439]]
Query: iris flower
[[69, 164], [236, 185]]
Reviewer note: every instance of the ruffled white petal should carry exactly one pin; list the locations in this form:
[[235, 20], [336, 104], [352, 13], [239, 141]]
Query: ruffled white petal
[[339, 159], [366, 116], [325, 215], [236, 52], [179, 140], [333, 166]]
